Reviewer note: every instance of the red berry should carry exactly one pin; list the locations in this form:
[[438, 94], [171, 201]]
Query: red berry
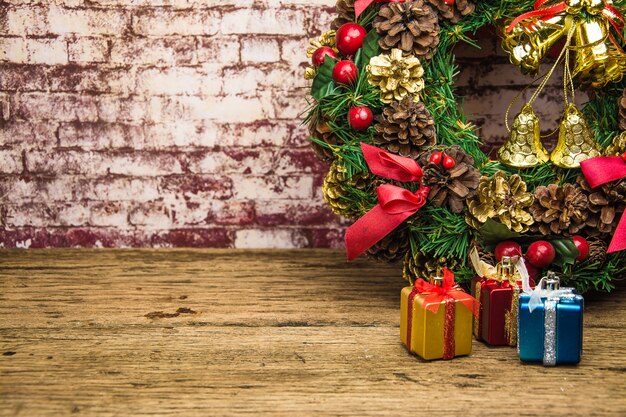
[[320, 54], [349, 38], [360, 117], [436, 157], [540, 254], [448, 162], [583, 247], [507, 248], [345, 72]]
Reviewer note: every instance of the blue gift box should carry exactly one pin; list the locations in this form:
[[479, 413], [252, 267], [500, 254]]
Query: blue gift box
[[550, 324]]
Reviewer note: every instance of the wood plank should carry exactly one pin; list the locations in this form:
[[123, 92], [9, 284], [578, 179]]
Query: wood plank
[[259, 332]]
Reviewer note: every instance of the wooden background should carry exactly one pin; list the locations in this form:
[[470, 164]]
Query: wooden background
[[223, 332]]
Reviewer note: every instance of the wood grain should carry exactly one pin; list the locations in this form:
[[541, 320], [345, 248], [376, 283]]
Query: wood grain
[[224, 332]]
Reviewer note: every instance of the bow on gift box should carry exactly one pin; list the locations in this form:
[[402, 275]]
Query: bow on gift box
[[395, 204], [435, 294], [599, 171]]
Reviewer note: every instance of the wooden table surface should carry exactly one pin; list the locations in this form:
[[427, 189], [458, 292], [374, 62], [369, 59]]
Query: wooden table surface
[[267, 332]]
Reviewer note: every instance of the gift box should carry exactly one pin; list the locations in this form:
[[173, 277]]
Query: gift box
[[550, 328], [498, 295], [436, 318]]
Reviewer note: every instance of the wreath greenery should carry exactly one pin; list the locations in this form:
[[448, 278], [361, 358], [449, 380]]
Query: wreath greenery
[[436, 232]]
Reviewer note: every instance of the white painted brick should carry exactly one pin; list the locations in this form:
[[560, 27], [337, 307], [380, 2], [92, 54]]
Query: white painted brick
[[47, 51], [260, 50]]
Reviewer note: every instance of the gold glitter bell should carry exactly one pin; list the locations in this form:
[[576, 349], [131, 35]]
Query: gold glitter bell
[[599, 59], [576, 143], [528, 44], [523, 149]]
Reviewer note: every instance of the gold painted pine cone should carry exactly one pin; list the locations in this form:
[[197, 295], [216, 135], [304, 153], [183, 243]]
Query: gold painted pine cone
[[451, 187], [405, 128], [336, 189], [618, 146], [559, 209], [396, 75], [425, 266], [411, 26], [503, 199]]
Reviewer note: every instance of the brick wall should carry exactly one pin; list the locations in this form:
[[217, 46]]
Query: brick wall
[[176, 122]]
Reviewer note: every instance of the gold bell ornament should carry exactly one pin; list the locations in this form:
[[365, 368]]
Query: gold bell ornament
[[524, 149], [576, 142], [598, 26]]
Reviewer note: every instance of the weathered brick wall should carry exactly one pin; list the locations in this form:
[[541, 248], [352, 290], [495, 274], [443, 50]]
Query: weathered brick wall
[[174, 122]]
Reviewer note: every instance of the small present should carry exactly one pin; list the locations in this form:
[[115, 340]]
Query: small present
[[550, 327], [436, 318], [497, 290]]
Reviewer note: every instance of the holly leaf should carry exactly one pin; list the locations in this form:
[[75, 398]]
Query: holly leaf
[[369, 49], [493, 232], [323, 84], [566, 251]]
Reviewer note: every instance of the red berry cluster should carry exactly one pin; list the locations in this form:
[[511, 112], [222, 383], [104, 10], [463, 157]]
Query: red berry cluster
[[349, 39], [439, 158]]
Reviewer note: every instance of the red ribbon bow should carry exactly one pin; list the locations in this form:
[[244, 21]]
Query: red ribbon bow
[[609, 12], [602, 170], [395, 204], [435, 294], [361, 5]]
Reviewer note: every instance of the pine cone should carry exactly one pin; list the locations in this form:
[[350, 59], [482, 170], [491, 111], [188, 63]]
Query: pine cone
[[455, 12], [411, 26], [559, 210], [622, 111], [336, 190], [421, 265], [597, 250], [488, 257], [392, 247], [604, 206], [405, 128], [321, 130], [450, 187], [503, 199], [345, 13], [618, 146]]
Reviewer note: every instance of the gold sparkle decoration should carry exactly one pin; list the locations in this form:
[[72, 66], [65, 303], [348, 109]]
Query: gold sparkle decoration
[[501, 198], [576, 143], [396, 75], [618, 146]]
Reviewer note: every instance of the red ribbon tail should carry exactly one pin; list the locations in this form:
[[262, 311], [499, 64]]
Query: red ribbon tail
[[540, 14], [618, 242], [360, 6], [371, 228]]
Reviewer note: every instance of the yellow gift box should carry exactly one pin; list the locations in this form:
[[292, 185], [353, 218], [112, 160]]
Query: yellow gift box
[[436, 321]]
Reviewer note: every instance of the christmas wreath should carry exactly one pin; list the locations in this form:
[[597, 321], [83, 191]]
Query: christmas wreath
[[407, 166]]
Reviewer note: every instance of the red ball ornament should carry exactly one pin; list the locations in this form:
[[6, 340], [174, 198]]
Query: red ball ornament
[[360, 117], [320, 54], [507, 248], [540, 254], [436, 157], [349, 38], [345, 72], [583, 247], [448, 162]]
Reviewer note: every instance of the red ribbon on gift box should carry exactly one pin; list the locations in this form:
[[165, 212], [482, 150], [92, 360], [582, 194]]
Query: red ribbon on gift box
[[602, 170], [395, 204], [448, 293]]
